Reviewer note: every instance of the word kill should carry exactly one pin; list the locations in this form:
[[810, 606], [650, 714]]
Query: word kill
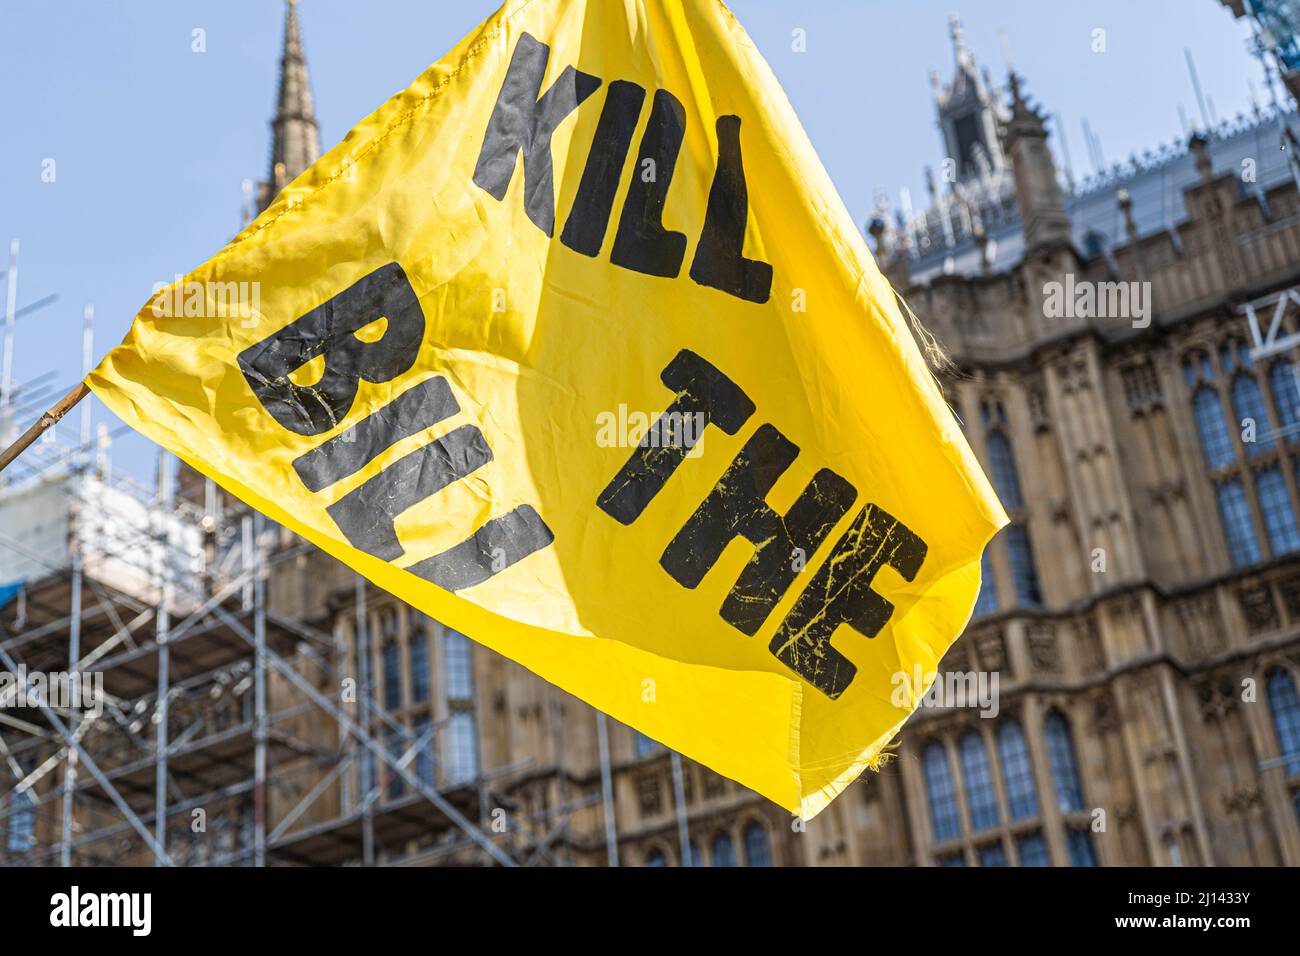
[[524, 119]]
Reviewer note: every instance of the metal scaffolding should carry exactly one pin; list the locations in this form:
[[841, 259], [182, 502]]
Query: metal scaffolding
[[221, 735], [212, 730]]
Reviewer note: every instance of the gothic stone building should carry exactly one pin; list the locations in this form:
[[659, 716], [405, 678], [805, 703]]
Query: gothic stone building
[[1141, 612]]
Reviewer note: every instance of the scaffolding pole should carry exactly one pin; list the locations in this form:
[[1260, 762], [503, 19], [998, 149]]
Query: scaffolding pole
[[607, 788], [74, 715], [164, 676], [87, 362], [7, 356], [363, 677], [380, 754], [160, 854], [679, 799], [259, 695], [189, 677]]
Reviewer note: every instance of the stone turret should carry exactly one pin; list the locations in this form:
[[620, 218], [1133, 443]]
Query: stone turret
[[295, 137], [968, 115], [1042, 206]]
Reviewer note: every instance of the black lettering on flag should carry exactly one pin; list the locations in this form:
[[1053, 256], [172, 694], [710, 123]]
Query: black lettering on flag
[[589, 218], [840, 593], [493, 548], [736, 507], [718, 261], [703, 392], [348, 452], [642, 244], [328, 330], [366, 514], [523, 121]]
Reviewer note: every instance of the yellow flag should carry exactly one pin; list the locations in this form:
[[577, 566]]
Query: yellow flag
[[573, 346]]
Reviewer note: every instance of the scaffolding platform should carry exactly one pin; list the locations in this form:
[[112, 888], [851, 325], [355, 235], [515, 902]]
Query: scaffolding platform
[[208, 704]]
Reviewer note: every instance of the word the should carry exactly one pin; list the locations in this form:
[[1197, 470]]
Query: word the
[[839, 592]]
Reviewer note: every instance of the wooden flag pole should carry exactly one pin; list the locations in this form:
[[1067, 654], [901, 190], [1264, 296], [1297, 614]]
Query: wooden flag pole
[[57, 411]]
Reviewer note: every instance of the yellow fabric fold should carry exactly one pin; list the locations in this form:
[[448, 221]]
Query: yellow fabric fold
[[573, 346]]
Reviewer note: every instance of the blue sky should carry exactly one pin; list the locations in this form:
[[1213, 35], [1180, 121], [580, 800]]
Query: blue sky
[[152, 141]]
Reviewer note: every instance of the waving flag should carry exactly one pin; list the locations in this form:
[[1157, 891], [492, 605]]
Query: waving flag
[[573, 346]]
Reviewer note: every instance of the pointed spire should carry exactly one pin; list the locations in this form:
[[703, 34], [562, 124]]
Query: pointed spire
[[1124, 199], [1199, 144], [969, 92], [958, 37], [1042, 207], [962, 55], [1020, 108], [295, 137]]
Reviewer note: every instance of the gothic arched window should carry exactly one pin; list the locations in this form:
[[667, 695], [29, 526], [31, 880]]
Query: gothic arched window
[[987, 600], [1006, 482], [1023, 571], [1248, 402], [395, 744], [758, 851], [942, 795], [1060, 757], [1079, 843], [1032, 850], [656, 858], [21, 835], [992, 854], [1238, 528], [422, 736], [1002, 470], [1017, 771], [723, 852], [418, 652], [981, 798], [1285, 705], [1286, 393], [1275, 507], [392, 656], [1216, 443], [460, 736], [460, 749], [458, 659]]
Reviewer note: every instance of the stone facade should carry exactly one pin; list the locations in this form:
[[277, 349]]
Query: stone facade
[[1141, 613]]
